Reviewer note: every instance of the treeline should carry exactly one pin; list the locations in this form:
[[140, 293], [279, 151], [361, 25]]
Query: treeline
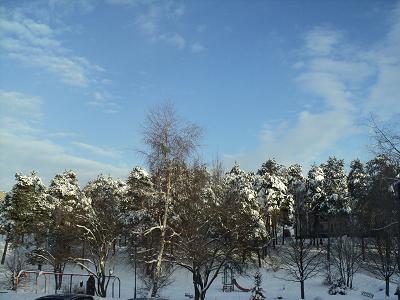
[[183, 213]]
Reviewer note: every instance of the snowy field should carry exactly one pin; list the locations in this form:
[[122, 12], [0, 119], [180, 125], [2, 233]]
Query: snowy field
[[274, 287]]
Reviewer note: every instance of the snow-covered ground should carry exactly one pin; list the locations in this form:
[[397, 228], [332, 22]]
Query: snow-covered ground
[[272, 284]]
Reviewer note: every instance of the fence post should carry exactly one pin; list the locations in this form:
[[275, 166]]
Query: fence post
[[36, 283], [112, 289], [70, 284]]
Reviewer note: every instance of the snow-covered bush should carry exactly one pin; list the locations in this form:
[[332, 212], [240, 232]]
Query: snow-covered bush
[[338, 287]]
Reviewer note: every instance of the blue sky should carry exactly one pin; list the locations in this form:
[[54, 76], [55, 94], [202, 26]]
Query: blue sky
[[294, 80]]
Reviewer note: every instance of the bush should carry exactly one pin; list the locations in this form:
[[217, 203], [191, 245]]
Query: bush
[[337, 288]]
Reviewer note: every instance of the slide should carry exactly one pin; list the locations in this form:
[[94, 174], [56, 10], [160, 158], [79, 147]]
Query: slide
[[239, 287]]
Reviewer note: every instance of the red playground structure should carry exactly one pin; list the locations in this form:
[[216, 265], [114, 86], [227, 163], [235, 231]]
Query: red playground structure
[[229, 282]]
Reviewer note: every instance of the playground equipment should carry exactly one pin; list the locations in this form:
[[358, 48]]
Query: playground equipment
[[229, 282], [38, 281]]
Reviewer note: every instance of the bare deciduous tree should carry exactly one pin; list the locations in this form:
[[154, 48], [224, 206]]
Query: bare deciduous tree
[[387, 141], [301, 261], [169, 144], [347, 258], [382, 259]]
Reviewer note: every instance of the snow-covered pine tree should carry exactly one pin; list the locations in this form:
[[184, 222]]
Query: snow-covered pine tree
[[316, 201], [68, 201], [257, 292], [357, 182], [296, 184], [335, 187], [244, 210], [358, 185], [271, 187], [100, 226], [25, 212], [140, 208]]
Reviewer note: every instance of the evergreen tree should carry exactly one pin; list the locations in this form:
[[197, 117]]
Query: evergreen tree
[[257, 291], [381, 174], [100, 226], [271, 188], [335, 186], [244, 210], [357, 183], [296, 184], [68, 201], [315, 190], [28, 208], [24, 213], [141, 208]]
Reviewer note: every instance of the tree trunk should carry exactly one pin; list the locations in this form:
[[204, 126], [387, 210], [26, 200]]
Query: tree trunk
[[328, 258], [101, 284], [199, 293], [3, 258], [157, 274], [196, 293], [387, 286], [283, 234], [328, 252], [363, 248], [302, 289], [273, 234]]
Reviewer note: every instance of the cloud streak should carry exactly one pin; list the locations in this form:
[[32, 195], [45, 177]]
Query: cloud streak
[[25, 146], [346, 83], [35, 44], [38, 45], [100, 151]]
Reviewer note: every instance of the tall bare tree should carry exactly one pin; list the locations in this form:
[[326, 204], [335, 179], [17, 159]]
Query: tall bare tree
[[387, 140], [347, 258], [382, 259], [170, 143], [301, 261]]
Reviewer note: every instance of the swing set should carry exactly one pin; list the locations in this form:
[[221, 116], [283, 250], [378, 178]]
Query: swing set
[[38, 281]]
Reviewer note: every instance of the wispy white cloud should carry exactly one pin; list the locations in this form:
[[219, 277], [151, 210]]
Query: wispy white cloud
[[67, 6], [19, 113], [197, 47], [128, 2], [47, 158], [321, 41], [61, 134], [383, 99], [173, 39], [18, 104], [36, 44], [97, 150], [100, 100], [346, 83], [25, 146], [153, 17], [201, 28]]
